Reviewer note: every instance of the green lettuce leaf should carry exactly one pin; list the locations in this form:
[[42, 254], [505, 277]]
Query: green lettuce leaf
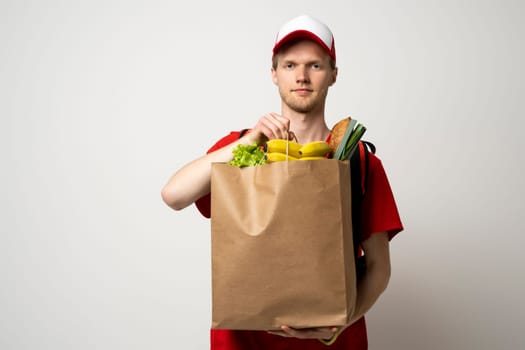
[[247, 155]]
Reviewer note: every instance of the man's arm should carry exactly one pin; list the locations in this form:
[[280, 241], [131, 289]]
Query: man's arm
[[377, 275], [193, 180]]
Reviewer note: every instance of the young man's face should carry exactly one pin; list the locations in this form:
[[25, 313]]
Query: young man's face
[[303, 75]]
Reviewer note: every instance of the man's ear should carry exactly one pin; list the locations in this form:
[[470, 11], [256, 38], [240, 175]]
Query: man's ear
[[274, 76], [334, 76]]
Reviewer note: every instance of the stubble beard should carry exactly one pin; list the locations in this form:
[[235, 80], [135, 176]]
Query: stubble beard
[[303, 105]]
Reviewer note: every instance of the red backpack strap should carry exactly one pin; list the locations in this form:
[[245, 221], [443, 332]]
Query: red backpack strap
[[243, 132], [365, 147], [364, 166], [359, 163]]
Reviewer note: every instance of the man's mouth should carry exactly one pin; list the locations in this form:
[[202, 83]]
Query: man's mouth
[[302, 91]]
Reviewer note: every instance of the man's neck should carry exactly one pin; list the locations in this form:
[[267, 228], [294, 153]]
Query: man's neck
[[308, 127]]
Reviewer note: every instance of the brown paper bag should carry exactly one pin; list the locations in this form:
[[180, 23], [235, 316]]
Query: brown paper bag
[[282, 251]]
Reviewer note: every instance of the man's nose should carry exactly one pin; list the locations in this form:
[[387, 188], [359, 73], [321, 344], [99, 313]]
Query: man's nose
[[302, 75]]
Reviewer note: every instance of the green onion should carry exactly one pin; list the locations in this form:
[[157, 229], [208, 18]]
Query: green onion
[[352, 135]]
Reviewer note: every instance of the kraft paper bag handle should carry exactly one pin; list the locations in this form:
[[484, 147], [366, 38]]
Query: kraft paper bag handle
[[288, 141]]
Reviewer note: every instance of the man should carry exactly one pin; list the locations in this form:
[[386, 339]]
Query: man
[[303, 69]]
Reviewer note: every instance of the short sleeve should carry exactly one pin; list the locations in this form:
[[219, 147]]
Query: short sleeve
[[204, 203], [380, 213]]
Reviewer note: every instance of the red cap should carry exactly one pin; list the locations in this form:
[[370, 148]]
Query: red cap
[[306, 27]]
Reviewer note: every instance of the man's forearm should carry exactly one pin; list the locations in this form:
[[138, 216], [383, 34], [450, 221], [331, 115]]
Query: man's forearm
[[377, 273], [371, 286]]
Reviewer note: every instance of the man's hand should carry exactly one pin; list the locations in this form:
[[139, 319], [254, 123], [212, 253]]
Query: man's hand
[[270, 126], [307, 333]]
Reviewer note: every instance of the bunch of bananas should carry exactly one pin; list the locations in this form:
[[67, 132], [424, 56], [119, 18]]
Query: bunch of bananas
[[276, 150]]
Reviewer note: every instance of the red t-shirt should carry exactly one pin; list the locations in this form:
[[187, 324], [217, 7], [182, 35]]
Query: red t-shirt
[[380, 214]]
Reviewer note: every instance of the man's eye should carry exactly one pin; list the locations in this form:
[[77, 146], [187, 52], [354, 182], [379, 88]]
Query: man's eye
[[289, 65], [316, 66]]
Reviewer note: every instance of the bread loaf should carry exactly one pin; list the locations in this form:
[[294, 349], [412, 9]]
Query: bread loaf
[[338, 132]]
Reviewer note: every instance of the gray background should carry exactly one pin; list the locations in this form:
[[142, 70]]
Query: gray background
[[100, 101]]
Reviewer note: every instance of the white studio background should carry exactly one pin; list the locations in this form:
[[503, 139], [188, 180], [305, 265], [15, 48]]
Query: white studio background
[[101, 101]]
